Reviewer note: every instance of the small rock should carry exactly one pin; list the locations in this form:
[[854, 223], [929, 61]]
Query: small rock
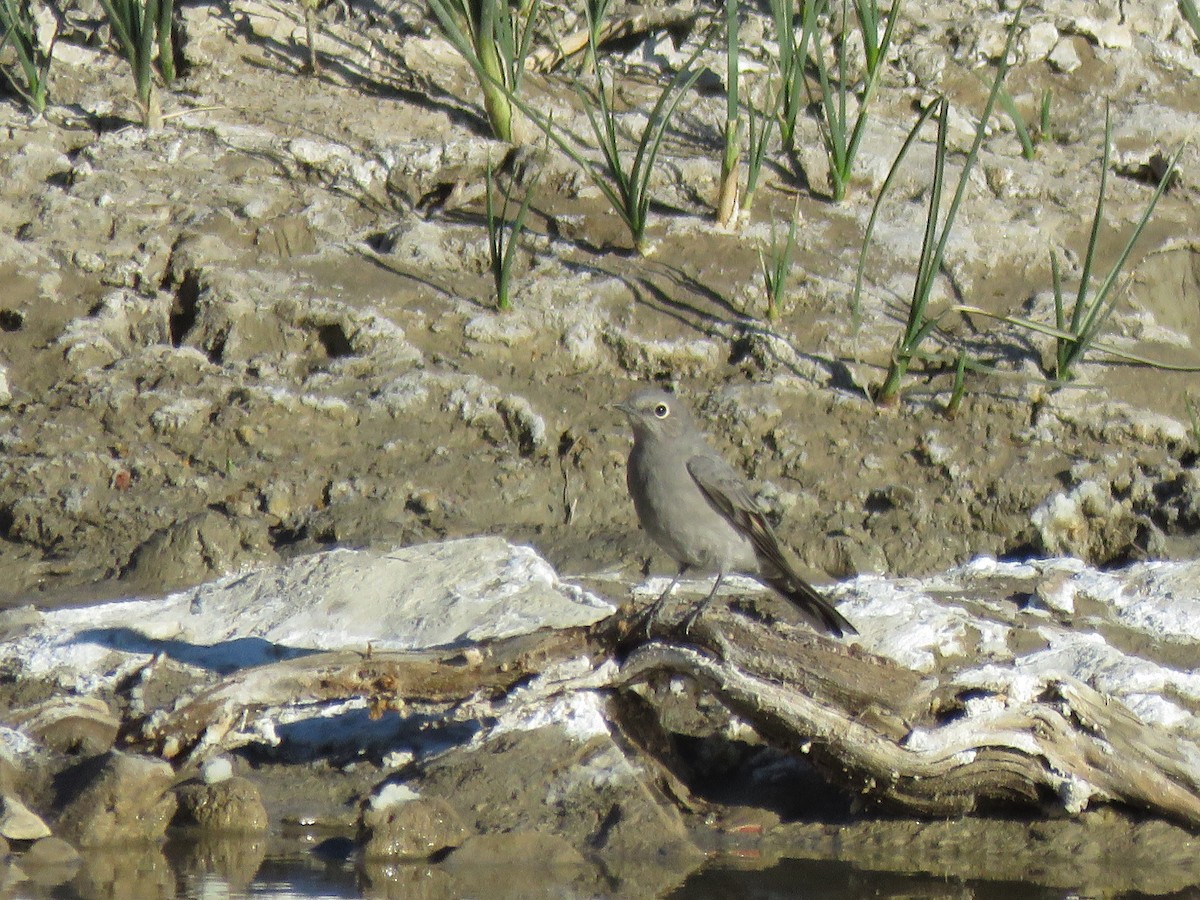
[[19, 823], [233, 804], [216, 770], [115, 798], [1040, 40], [412, 829], [1110, 33], [1064, 58], [1056, 591], [265, 22], [83, 725]]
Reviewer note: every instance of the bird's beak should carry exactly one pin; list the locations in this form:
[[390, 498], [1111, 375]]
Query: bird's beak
[[622, 407]]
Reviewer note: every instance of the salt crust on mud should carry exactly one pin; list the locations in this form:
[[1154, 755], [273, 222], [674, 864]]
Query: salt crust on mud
[[960, 622], [924, 625], [425, 596]]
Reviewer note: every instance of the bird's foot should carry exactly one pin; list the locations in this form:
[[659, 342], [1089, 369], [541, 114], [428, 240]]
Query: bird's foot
[[646, 622], [692, 617]]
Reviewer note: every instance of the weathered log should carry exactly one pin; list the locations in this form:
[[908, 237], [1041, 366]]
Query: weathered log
[[210, 721], [889, 734], [881, 730]]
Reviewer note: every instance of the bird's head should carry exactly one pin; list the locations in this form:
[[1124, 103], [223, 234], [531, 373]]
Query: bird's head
[[654, 413]]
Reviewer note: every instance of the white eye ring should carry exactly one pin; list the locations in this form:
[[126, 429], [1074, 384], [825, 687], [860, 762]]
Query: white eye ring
[[662, 411]]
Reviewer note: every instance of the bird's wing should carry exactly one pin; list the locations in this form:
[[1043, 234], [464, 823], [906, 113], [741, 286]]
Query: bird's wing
[[726, 490]]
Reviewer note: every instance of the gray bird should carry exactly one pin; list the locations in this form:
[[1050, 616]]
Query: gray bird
[[699, 510]]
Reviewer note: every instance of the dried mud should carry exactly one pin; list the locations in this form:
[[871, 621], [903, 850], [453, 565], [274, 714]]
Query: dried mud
[[238, 337]]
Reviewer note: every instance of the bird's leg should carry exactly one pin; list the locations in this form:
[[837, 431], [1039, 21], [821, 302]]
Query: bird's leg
[[695, 614], [651, 613], [662, 598]]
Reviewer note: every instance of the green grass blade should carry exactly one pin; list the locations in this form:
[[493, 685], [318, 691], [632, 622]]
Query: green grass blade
[[1085, 278], [1050, 331], [603, 128], [868, 23], [1028, 150], [495, 239], [625, 188], [1190, 14], [166, 41], [928, 264], [873, 79], [884, 191], [147, 16], [1060, 317], [20, 32], [120, 20], [980, 132]]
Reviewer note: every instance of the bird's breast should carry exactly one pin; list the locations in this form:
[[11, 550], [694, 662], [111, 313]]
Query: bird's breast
[[679, 518]]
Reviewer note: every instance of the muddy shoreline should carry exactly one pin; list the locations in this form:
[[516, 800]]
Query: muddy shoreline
[[507, 716]]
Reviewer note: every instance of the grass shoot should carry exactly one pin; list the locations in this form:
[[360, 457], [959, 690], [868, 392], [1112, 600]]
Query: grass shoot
[[761, 124], [920, 324], [790, 69], [727, 194], [776, 267], [842, 138], [624, 184], [494, 38], [310, 31], [20, 32], [1090, 310], [504, 236], [143, 30]]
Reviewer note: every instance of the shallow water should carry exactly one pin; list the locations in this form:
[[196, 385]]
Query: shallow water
[[178, 871]]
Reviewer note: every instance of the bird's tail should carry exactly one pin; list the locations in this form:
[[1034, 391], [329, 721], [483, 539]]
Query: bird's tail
[[815, 609]]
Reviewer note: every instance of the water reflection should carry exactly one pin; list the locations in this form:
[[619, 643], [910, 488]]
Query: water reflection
[[195, 866], [202, 858]]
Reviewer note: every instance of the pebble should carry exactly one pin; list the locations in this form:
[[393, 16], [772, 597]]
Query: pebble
[[19, 823], [216, 770]]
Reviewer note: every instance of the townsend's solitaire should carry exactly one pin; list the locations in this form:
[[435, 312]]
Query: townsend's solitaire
[[701, 512]]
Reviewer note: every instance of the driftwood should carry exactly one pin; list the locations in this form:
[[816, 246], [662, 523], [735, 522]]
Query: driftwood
[[642, 21], [213, 719], [886, 733]]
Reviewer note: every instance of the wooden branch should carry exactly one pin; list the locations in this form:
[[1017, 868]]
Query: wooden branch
[[643, 21], [892, 735], [874, 727], [209, 721]]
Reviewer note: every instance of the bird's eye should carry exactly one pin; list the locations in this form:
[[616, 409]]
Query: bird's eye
[[662, 411]]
